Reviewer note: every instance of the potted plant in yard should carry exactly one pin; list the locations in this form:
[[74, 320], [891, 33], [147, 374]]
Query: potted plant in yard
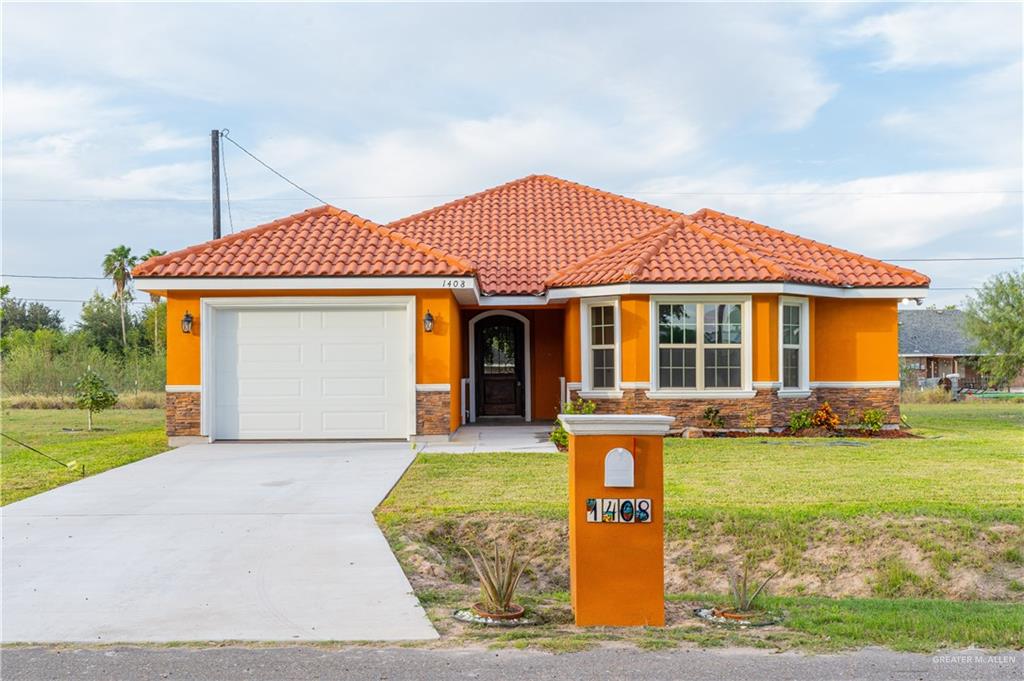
[[499, 578]]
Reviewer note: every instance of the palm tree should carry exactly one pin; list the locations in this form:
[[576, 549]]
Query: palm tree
[[154, 298], [118, 266]]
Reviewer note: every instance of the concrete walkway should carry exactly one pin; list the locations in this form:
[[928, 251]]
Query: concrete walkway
[[213, 542], [518, 437]]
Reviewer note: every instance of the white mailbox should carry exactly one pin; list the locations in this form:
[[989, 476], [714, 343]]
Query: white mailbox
[[618, 468]]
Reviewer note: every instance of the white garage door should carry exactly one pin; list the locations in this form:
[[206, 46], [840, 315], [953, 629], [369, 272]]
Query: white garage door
[[333, 372]]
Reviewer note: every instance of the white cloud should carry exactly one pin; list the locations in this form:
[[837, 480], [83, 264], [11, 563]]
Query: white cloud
[[944, 34], [872, 215]]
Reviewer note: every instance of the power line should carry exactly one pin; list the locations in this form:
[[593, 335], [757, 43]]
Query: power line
[[49, 276], [366, 197], [1010, 257], [227, 187], [65, 300], [224, 134]]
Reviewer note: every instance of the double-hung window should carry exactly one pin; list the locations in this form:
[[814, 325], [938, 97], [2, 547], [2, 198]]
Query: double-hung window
[[601, 372], [794, 360], [677, 346], [700, 345]]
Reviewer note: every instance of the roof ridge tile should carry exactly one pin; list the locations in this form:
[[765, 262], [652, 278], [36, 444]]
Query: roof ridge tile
[[771, 265]]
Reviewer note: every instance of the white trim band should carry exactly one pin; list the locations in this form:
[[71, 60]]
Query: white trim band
[[433, 388], [599, 394], [615, 424], [701, 394], [183, 388], [766, 385], [635, 385], [855, 384]]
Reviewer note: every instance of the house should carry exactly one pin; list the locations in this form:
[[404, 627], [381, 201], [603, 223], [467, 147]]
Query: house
[[502, 305], [934, 345]]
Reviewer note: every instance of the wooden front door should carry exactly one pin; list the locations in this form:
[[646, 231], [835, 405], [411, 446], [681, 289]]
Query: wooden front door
[[499, 367]]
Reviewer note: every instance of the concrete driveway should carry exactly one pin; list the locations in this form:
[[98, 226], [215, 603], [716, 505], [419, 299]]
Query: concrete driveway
[[213, 542]]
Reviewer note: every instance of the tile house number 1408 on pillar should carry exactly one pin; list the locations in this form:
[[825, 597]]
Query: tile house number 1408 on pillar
[[618, 510]]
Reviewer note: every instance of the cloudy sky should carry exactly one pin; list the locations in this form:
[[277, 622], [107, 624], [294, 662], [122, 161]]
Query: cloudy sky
[[893, 130]]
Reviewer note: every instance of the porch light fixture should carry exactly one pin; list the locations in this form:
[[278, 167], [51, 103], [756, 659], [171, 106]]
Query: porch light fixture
[[428, 322], [186, 322]]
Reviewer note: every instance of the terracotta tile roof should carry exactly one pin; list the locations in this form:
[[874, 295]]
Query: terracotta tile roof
[[849, 269], [320, 242], [678, 252], [518, 233], [526, 235]]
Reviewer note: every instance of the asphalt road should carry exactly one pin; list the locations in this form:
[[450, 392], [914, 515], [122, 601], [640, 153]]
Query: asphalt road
[[396, 664]]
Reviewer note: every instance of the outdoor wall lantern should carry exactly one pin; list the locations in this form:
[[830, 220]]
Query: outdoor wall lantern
[[428, 322], [186, 322]]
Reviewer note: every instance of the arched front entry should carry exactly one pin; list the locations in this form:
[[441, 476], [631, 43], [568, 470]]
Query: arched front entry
[[499, 365]]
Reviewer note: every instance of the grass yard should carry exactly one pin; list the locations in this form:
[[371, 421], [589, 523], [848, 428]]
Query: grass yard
[[908, 543], [121, 436], [968, 463]]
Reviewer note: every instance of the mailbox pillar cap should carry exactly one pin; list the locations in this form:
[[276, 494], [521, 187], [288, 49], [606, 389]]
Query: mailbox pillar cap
[[615, 424]]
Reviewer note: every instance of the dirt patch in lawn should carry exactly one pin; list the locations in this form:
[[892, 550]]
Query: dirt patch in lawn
[[884, 556]]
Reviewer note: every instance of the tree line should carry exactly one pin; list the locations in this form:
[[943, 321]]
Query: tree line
[[122, 343]]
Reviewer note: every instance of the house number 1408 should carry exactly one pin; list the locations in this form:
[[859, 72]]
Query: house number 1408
[[618, 510], [453, 283]]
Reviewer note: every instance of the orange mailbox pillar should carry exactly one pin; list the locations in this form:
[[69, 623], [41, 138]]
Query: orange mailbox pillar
[[616, 518]]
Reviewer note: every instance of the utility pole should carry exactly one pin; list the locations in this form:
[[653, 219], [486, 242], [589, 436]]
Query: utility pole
[[215, 157]]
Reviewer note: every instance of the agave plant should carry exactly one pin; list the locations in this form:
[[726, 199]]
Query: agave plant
[[742, 597], [499, 578]]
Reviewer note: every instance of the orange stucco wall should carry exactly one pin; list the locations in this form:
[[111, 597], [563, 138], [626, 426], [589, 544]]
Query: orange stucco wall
[[571, 342], [636, 340], [435, 351], [766, 337], [854, 340]]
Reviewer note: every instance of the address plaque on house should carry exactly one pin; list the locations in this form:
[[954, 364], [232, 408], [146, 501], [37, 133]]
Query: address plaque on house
[[618, 510]]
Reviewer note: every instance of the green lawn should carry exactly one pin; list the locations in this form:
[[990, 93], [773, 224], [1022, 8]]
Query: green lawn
[[910, 520], [121, 436], [968, 463]]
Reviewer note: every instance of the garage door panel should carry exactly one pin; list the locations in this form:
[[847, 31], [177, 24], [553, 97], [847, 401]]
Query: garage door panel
[[270, 387], [353, 352], [319, 373], [355, 319], [345, 423], [270, 319], [276, 353]]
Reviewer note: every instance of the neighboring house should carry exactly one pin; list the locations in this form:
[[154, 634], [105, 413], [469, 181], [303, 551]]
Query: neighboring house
[[503, 304], [934, 345]]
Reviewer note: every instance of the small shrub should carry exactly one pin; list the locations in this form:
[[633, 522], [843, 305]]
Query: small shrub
[[750, 421], [577, 406], [713, 416], [93, 394], [936, 395], [873, 419], [499, 578], [801, 420], [740, 587], [825, 417]]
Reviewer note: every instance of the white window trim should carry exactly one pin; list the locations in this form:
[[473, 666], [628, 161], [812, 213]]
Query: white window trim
[[746, 389], [804, 389], [588, 391]]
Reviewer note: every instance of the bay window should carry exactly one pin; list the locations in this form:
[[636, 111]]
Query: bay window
[[700, 346]]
